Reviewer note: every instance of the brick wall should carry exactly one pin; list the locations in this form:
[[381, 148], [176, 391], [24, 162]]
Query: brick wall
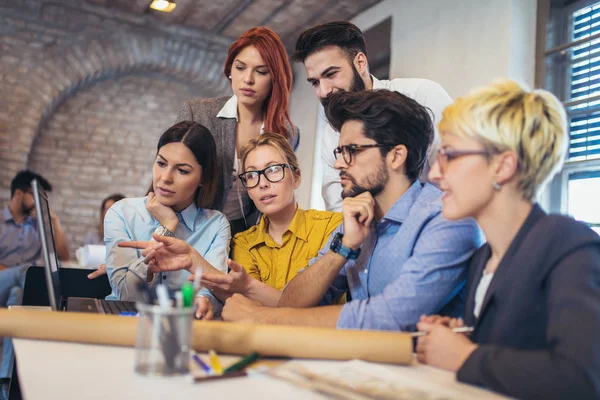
[[84, 94]]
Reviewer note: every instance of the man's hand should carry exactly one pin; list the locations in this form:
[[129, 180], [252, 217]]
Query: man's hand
[[358, 213], [236, 281], [99, 272], [240, 309], [163, 214], [443, 348], [166, 254], [204, 308]]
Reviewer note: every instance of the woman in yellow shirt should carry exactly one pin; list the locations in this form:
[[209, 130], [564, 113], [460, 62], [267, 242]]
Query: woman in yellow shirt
[[267, 256]]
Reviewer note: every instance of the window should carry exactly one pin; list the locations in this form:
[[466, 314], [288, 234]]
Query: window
[[584, 192], [572, 63]]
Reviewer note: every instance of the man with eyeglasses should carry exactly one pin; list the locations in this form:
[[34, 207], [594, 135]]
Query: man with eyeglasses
[[394, 254], [335, 58]]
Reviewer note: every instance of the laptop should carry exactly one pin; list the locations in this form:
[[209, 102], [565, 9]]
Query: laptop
[[55, 297]]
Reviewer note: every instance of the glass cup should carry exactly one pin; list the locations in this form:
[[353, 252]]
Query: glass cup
[[163, 340]]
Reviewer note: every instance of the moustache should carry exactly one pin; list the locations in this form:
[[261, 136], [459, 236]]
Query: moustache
[[344, 175]]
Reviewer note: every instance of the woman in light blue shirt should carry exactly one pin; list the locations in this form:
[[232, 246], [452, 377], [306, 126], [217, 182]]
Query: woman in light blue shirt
[[184, 180]]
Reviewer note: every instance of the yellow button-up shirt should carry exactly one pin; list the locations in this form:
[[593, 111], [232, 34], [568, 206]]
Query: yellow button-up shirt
[[276, 264]]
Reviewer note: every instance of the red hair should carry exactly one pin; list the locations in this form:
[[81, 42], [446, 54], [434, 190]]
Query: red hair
[[273, 53]]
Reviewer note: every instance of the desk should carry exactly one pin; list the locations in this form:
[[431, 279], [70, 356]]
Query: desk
[[52, 370]]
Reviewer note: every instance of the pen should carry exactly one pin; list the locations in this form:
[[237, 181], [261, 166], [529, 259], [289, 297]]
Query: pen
[[179, 300], [197, 278], [462, 329], [244, 362], [201, 363], [215, 364]]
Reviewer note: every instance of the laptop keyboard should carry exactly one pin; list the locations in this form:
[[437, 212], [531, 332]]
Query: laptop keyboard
[[117, 307]]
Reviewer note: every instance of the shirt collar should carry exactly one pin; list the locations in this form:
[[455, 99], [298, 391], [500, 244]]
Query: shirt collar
[[188, 215], [377, 83], [402, 206], [297, 228], [229, 110], [298, 225]]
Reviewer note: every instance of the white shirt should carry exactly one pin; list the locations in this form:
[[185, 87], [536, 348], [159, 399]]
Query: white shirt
[[482, 289], [237, 199], [427, 93]]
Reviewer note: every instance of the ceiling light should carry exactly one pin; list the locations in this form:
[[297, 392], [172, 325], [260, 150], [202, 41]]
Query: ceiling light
[[163, 5]]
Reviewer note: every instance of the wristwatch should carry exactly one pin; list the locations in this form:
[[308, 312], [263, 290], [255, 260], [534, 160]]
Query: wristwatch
[[338, 247], [164, 231]]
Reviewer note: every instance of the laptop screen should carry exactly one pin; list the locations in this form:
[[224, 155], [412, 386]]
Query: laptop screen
[[48, 246]]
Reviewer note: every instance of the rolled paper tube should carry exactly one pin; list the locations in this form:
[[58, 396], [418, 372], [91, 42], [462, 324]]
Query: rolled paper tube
[[224, 337]]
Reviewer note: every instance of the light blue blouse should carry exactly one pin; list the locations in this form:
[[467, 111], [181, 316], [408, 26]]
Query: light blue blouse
[[206, 230]]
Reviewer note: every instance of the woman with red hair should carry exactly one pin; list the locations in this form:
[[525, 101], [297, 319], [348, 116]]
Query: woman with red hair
[[258, 68]]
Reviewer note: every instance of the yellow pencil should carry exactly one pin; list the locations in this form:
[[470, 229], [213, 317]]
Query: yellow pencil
[[215, 364]]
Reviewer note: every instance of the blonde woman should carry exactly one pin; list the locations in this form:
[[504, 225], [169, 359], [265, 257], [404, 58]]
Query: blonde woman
[[266, 256], [533, 290]]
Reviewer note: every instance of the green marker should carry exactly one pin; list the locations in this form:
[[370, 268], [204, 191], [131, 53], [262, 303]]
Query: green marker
[[188, 294], [243, 363]]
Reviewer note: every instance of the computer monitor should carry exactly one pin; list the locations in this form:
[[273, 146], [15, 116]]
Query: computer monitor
[[42, 208]]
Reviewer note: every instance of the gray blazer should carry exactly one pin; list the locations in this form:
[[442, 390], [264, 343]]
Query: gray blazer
[[204, 111]]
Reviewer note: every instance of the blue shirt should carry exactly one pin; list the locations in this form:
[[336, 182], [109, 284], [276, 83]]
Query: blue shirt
[[19, 243], [205, 230], [413, 262]]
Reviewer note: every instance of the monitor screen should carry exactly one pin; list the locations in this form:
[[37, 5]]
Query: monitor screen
[[48, 246]]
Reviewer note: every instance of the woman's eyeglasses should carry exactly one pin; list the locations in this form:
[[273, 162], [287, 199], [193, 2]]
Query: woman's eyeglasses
[[444, 156], [348, 152], [273, 173]]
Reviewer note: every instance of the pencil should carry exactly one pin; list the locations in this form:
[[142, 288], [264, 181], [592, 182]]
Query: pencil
[[235, 374], [462, 329], [215, 363], [201, 363]]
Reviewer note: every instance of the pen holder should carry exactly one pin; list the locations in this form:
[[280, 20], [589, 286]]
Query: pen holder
[[163, 340]]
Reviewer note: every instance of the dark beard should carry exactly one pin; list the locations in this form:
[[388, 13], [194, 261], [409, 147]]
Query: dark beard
[[374, 184], [357, 85]]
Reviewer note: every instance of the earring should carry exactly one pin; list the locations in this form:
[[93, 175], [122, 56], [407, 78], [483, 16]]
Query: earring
[[229, 76], [496, 185], [200, 185]]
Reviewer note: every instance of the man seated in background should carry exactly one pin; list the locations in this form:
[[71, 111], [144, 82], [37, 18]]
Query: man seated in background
[[20, 245]]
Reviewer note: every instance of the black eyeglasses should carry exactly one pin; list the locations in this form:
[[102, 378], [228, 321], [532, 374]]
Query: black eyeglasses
[[444, 156], [350, 150], [273, 173]]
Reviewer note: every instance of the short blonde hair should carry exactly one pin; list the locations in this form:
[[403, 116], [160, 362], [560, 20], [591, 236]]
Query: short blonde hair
[[280, 143], [506, 116]]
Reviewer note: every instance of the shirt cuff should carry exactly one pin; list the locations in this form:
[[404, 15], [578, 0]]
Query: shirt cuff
[[140, 269], [216, 303], [347, 319]]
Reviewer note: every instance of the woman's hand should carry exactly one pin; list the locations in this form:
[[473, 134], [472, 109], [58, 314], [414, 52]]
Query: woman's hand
[[167, 254], [236, 281], [99, 272], [440, 320], [163, 214], [443, 348], [204, 308]]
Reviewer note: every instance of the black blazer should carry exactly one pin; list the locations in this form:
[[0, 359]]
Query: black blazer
[[539, 327]]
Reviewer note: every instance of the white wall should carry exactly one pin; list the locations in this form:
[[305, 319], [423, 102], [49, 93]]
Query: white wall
[[460, 44]]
